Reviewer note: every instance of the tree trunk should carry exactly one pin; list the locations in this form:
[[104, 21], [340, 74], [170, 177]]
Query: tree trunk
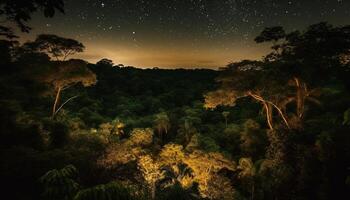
[[300, 97], [58, 94], [268, 115], [68, 100], [271, 105], [153, 194]]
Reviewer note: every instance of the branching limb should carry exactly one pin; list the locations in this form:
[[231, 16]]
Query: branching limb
[[68, 100]]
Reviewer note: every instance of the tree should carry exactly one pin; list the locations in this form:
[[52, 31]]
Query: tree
[[7, 32], [127, 150], [225, 114], [19, 12], [7, 49], [118, 128], [271, 34], [253, 139], [187, 130], [111, 129], [309, 60], [205, 166], [314, 55], [151, 172], [249, 79], [64, 75], [176, 172], [56, 46], [162, 124], [247, 171], [105, 62]]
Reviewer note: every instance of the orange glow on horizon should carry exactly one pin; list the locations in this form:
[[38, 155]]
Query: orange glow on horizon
[[164, 53], [169, 57]]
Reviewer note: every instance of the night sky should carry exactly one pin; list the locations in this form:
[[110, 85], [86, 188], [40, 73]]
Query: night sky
[[182, 33]]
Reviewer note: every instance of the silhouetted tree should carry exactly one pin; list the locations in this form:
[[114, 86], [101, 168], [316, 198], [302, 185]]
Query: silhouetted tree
[[7, 49], [271, 34], [56, 46], [105, 62], [19, 12]]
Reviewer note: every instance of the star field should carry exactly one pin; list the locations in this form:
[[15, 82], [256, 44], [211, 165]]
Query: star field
[[180, 33]]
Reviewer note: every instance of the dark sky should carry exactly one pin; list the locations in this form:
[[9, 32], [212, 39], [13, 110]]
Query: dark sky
[[182, 33]]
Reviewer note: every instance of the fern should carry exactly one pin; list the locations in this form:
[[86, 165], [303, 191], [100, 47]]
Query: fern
[[110, 191], [60, 184], [346, 117]]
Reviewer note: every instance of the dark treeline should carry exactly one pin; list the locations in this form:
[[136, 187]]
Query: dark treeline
[[275, 128]]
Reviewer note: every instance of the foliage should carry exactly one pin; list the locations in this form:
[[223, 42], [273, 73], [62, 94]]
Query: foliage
[[20, 12], [109, 191], [151, 172], [162, 124], [60, 184], [55, 46], [347, 117], [64, 75]]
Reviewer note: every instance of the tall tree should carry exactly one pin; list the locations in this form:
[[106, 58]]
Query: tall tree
[[56, 46], [225, 114], [249, 79], [64, 75]]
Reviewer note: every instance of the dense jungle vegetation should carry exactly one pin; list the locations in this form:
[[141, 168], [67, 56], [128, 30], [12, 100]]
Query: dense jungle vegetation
[[275, 128]]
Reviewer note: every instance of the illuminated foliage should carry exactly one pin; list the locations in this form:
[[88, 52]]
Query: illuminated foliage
[[172, 154], [105, 128], [220, 187], [219, 97], [119, 154], [171, 158], [110, 130], [128, 150], [204, 166], [151, 172], [247, 79], [141, 137]]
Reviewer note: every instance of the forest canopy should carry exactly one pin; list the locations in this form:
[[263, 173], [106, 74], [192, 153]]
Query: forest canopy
[[273, 128]]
